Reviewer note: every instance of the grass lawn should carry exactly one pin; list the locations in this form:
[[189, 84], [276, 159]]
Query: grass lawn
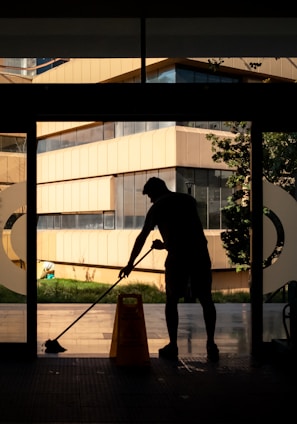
[[71, 291]]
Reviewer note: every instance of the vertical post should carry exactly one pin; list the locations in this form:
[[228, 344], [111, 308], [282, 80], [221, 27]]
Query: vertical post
[[189, 297], [256, 288], [31, 238], [143, 49]]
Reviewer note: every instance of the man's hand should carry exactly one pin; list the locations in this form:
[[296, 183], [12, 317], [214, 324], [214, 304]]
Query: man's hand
[[124, 272], [158, 244]]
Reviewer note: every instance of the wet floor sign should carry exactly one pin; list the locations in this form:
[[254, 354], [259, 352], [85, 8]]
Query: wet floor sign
[[129, 344]]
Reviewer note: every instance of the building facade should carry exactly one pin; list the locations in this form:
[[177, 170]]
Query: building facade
[[90, 175]]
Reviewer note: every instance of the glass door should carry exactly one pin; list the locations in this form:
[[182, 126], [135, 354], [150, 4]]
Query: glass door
[[16, 335]]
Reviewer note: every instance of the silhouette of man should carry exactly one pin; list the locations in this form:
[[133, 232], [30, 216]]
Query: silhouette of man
[[188, 261]]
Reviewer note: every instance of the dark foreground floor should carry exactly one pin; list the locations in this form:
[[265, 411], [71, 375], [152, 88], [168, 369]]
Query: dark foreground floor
[[58, 389]]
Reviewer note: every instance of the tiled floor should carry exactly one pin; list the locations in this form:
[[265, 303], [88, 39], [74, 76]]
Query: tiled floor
[[84, 385], [91, 335]]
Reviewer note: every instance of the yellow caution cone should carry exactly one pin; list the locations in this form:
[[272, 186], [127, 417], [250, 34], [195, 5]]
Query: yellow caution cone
[[129, 346]]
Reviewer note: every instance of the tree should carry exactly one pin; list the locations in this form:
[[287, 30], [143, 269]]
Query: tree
[[279, 167]]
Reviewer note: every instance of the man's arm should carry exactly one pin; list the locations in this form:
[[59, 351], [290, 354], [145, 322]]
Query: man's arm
[[138, 245]]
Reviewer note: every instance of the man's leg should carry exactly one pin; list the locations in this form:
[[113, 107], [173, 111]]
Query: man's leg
[[173, 278], [210, 317], [172, 318], [170, 351]]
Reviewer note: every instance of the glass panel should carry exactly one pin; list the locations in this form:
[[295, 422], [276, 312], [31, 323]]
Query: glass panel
[[213, 78], [165, 124], [67, 222], [68, 139], [119, 129], [166, 75], [129, 128], [119, 189], [201, 195], [129, 192], [13, 224], [41, 146], [200, 77], [90, 221], [45, 222], [214, 125], [152, 126], [89, 135], [149, 174], [168, 175], [108, 130], [48, 144], [226, 192], [12, 143], [201, 124], [140, 203], [109, 220], [214, 199], [139, 127], [185, 75], [57, 222]]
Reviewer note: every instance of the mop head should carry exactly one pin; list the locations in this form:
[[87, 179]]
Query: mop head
[[53, 346]]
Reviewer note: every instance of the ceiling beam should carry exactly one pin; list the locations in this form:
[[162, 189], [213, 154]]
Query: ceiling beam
[[97, 37], [271, 105]]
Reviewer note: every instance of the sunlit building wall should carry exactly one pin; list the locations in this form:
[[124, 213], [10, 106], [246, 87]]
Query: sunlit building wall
[[90, 174]]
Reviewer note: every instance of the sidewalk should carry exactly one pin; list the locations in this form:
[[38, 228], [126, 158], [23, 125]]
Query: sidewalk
[[91, 335]]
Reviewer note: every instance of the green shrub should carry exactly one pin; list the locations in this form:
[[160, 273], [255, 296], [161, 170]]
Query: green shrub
[[8, 296], [231, 297], [72, 291]]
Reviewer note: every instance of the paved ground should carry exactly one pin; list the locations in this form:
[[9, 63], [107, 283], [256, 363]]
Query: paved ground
[[84, 385], [95, 390], [91, 335]]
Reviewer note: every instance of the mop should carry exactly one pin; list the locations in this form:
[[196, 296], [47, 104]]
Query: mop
[[53, 346]]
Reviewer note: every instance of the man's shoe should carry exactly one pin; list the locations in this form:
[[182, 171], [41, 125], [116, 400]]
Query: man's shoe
[[213, 353], [169, 352]]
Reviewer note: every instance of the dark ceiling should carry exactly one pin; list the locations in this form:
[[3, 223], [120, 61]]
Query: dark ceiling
[[121, 29], [152, 8]]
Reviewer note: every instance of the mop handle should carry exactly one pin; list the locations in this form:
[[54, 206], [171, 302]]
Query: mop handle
[[101, 297]]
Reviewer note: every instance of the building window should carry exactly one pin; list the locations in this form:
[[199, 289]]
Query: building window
[[193, 75], [95, 221], [110, 130], [108, 221], [13, 144], [208, 186]]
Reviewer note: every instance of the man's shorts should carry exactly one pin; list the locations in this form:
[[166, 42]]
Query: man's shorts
[[179, 274]]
